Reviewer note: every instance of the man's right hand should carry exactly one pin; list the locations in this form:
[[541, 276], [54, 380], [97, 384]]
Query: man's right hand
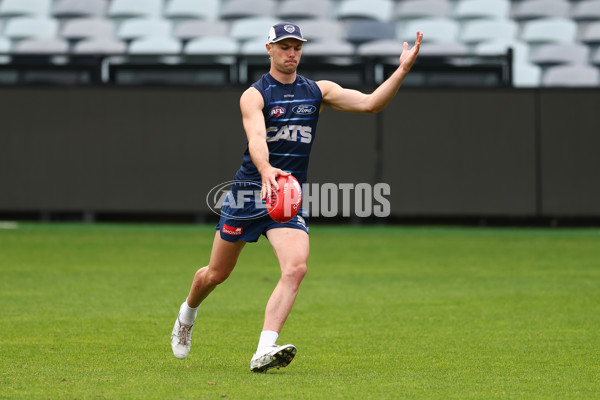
[[269, 177]]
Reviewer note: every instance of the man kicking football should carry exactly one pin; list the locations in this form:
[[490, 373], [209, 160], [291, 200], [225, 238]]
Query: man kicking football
[[280, 136]]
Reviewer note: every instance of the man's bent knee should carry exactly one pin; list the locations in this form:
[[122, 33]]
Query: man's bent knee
[[209, 277], [215, 278], [294, 273]]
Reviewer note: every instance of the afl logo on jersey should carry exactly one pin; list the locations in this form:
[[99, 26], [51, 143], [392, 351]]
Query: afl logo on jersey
[[277, 111], [304, 109]]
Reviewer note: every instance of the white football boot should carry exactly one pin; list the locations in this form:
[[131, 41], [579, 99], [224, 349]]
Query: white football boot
[[272, 357], [181, 339]]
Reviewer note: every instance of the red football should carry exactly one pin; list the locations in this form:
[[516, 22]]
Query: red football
[[284, 203]]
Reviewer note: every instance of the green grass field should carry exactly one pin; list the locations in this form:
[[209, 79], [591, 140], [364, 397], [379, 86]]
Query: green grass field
[[384, 313]]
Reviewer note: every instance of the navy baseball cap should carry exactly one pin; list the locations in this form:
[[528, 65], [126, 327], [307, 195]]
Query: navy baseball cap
[[285, 30]]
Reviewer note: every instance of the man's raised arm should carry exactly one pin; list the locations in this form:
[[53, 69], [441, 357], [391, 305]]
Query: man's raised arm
[[350, 100]]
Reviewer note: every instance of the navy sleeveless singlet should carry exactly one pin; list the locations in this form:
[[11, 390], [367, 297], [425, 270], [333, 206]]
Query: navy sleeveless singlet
[[291, 114]]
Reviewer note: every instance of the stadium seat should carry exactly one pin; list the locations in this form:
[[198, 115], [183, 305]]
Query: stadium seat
[[254, 47], [380, 10], [586, 10], [203, 9], [368, 30], [556, 54], [27, 27], [475, 9], [191, 29], [25, 8], [322, 29], [442, 48], [79, 8], [80, 28], [212, 50], [384, 48], [250, 28], [596, 57], [571, 76], [135, 8], [591, 33], [520, 49], [414, 9], [533, 9], [155, 45], [135, 28], [549, 30], [100, 46], [488, 30], [5, 47], [235, 9], [526, 75], [294, 10], [212, 45], [329, 48], [42, 46], [437, 30]]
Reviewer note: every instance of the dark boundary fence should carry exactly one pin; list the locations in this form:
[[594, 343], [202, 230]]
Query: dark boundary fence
[[110, 153]]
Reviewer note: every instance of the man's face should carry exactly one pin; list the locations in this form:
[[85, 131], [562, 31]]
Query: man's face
[[285, 55]]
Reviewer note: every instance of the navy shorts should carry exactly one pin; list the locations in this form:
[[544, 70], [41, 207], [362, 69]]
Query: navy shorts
[[245, 218]]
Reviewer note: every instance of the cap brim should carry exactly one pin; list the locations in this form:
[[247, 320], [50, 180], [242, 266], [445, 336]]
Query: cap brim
[[288, 37]]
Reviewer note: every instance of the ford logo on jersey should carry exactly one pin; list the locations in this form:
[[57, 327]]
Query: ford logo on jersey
[[304, 109], [277, 111]]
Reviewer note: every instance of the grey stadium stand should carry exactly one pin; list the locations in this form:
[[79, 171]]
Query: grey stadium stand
[[521, 51], [20, 8], [380, 48], [100, 45], [31, 27], [211, 45], [488, 30], [322, 29], [42, 46], [205, 9], [135, 8], [155, 45], [304, 9], [81, 28], [190, 29], [475, 9], [542, 33], [571, 76], [79, 8], [586, 10], [438, 30], [135, 28], [549, 30], [591, 33], [365, 31], [532, 9], [380, 10], [445, 49], [235, 9], [561, 53], [250, 28], [596, 57], [330, 48], [414, 9]]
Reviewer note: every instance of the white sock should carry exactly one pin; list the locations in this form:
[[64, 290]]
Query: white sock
[[187, 314], [267, 339]]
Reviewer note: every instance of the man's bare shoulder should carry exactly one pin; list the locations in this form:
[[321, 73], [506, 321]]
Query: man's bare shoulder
[[251, 97], [326, 86], [250, 93]]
